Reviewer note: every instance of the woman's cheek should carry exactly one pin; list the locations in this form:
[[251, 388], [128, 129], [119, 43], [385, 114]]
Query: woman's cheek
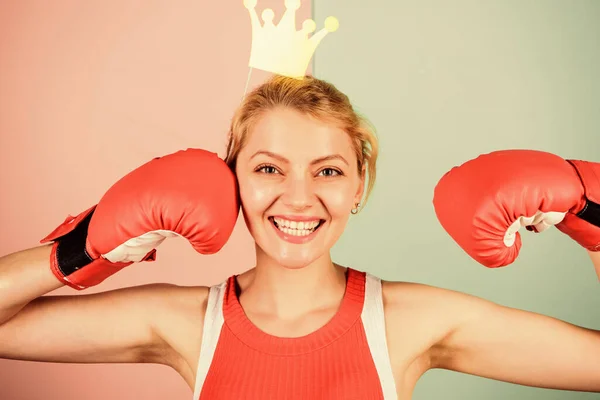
[[257, 195], [337, 198]]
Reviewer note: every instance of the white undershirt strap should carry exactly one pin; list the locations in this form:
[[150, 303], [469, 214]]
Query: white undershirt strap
[[213, 322], [373, 319]]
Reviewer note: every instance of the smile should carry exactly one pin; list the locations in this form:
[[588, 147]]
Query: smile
[[296, 231]]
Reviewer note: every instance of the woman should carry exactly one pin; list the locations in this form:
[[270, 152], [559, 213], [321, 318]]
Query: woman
[[295, 326]]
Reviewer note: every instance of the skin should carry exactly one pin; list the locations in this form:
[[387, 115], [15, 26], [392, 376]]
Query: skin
[[293, 290]]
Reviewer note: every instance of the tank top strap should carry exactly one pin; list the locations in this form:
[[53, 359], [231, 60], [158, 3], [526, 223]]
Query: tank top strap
[[213, 323], [373, 319]]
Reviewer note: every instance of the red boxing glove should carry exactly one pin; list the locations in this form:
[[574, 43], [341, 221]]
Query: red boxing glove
[[484, 202], [190, 193]]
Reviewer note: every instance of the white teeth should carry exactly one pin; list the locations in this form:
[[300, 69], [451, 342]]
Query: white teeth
[[284, 223], [297, 232], [296, 228]]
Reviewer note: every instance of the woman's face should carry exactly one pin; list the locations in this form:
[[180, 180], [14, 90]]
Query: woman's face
[[298, 182]]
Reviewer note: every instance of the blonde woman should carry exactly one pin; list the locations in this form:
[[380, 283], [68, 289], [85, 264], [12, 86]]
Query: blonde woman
[[299, 162]]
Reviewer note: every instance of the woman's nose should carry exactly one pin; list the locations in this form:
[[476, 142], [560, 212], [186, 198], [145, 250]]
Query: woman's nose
[[299, 193]]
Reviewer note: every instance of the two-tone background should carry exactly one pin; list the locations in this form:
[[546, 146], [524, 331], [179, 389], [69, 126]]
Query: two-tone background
[[91, 89]]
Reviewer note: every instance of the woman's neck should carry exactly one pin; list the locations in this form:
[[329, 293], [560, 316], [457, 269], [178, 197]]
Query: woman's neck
[[286, 293]]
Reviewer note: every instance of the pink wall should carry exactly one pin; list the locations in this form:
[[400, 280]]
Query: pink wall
[[88, 91]]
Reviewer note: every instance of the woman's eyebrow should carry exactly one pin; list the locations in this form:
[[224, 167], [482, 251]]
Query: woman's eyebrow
[[285, 160]]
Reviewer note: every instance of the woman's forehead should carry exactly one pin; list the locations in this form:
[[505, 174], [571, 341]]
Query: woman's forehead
[[285, 130]]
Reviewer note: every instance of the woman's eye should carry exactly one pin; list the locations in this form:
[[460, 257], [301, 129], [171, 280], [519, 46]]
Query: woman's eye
[[268, 169], [330, 172]]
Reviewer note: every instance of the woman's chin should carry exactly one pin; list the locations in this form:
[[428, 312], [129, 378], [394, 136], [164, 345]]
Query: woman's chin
[[291, 258], [295, 261]]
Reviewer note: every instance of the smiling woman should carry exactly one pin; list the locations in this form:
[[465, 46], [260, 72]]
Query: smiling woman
[[296, 325]]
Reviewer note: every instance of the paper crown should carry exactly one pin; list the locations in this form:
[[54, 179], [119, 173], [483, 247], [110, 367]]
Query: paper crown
[[282, 49]]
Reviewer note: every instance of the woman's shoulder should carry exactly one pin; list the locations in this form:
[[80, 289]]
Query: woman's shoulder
[[429, 310], [405, 292], [180, 296], [180, 307], [422, 295]]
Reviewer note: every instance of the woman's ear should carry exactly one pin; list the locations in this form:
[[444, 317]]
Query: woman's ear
[[361, 187]]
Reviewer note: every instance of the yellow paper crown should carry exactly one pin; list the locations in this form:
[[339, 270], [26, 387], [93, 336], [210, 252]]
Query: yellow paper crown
[[282, 49]]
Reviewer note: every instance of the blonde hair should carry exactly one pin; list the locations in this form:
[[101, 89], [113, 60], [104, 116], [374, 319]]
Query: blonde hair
[[316, 98]]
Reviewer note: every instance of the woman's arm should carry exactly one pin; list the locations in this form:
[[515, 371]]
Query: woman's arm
[[522, 347], [148, 323], [24, 276], [128, 325]]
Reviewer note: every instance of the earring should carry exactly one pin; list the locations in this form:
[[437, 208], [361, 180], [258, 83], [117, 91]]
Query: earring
[[355, 209]]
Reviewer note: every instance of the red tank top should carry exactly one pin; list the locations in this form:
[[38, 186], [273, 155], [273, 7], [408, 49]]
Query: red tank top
[[240, 361]]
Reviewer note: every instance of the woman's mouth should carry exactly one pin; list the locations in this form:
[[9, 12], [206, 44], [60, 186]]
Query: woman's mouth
[[299, 229]]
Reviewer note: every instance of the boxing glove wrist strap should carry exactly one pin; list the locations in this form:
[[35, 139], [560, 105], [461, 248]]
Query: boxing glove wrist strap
[[71, 254], [589, 174], [590, 213], [70, 259]]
